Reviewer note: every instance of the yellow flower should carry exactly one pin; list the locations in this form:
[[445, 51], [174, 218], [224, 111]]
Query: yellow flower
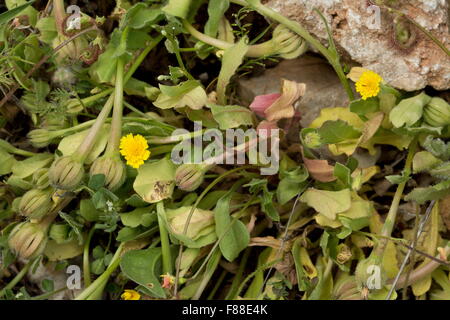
[[134, 149], [130, 295], [368, 84]]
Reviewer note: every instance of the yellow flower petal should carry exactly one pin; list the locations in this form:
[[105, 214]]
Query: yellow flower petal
[[130, 295], [368, 84], [134, 150]]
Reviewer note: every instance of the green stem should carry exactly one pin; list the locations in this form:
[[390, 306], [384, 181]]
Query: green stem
[[17, 278], [165, 243], [99, 282], [234, 289], [389, 223], [217, 285], [254, 51], [202, 195], [297, 28], [86, 263], [5, 145], [116, 123]]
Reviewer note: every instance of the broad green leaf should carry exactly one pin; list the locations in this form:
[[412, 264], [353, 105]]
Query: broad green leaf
[[187, 94], [293, 183], [216, 10], [25, 168], [436, 192], [178, 8], [140, 16], [229, 117], [231, 60], [7, 162], [88, 210], [363, 107], [409, 111], [328, 203], [23, 8], [337, 131], [424, 160], [155, 180], [137, 217], [68, 145], [57, 252], [14, 12], [338, 113], [144, 268], [235, 236], [201, 229], [47, 29]]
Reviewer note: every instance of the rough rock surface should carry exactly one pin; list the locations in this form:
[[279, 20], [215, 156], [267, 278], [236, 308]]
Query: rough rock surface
[[323, 88], [421, 64]]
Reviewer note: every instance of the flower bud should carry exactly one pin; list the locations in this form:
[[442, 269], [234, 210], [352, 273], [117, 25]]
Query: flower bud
[[189, 177], [55, 121], [288, 44], [72, 50], [113, 169], [40, 178], [28, 239], [59, 232], [437, 113], [346, 288], [36, 204], [40, 138], [66, 173]]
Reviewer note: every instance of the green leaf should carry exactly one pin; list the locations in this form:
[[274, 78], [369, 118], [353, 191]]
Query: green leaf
[[144, 268], [57, 252], [138, 217], [424, 160], [178, 8], [293, 183], [140, 16], [68, 145], [231, 116], [7, 162], [337, 131], [397, 179], [267, 205], [14, 12], [187, 94], [409, 111], [436, 192], [343, 174], [25, 168], [231, 60], [155, 181], [216, 10], [363, 107], [328, 203], [235, 238]]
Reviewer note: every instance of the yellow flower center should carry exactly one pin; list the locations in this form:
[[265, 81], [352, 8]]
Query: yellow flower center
[[134, 149], [368, 84], [130, 295]]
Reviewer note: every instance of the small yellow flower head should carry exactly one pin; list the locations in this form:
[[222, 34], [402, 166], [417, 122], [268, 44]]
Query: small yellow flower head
[[368, 84], [130, 295], [134, 149]]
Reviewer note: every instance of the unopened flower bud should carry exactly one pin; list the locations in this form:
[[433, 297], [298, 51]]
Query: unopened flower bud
[[437, 113], [59, 232], [28, 240], [288, 44], [66, 173], [189, 177], [36, 204], [55, 121], [40, 178], [40, 138], [113, 169]]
